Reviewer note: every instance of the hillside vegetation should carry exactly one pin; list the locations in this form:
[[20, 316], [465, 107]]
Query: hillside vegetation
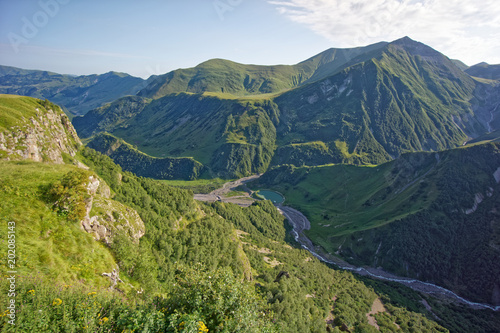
[[143, 165]]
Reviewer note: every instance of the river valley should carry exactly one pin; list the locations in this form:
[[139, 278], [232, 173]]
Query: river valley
[[300, 223]]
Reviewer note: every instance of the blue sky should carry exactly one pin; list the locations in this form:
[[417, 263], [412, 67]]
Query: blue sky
[[155, 36]]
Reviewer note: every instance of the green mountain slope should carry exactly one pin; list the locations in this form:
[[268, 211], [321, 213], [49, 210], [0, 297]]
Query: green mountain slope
[[359, 106], [110, 116], [430, 216], [130, 159], [77, 94], [229, 136], [224, 76], [408, 98]]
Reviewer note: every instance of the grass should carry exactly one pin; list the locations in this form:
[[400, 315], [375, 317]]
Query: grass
[[47, 244], [14, 109], [235, 193]]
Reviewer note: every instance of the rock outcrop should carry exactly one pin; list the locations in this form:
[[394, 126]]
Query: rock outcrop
[[105, 217], [41, 138]]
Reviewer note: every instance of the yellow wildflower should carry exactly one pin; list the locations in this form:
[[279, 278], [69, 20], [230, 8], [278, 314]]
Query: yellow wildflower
[[201, 327], [103, 320], [31, 291], [57, 302], [92, 293]]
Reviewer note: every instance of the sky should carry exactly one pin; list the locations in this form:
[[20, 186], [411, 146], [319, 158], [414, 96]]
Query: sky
[[150, 37]]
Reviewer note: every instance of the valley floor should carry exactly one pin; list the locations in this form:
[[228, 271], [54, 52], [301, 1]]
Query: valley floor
[[221, 194]]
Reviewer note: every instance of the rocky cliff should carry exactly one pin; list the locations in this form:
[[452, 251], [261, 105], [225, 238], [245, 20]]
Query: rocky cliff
[[32, 129], [36, 130]]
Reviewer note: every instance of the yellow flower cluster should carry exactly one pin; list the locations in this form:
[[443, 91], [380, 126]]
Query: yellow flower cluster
[[4, 314], [201, 327], [57, 302], [103, 320], [31, 291]]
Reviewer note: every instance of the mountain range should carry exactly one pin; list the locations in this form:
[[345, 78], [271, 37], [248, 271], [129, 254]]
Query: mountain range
[[76, 94], [358, 106]]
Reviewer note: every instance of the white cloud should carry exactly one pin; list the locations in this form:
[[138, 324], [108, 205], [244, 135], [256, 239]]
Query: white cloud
[[464, 29]]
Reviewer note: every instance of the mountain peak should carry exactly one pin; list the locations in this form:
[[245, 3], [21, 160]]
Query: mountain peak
[[417, 48], [404, 40]]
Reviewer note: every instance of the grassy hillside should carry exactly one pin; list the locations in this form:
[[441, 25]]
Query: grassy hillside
[[414, 216], [47, 244], [15, 109]]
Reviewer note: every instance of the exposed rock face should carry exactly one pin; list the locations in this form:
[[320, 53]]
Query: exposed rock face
[[106, 217], [496, 175], [42, 138], [478, 198]]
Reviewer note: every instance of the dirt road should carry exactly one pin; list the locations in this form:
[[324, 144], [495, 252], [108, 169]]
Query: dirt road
[[220, 194]]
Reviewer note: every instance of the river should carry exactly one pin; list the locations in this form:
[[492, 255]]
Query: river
[[300, 223]]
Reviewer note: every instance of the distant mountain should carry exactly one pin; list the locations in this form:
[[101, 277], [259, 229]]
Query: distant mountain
[[78, 94], [224, 76], [485, 71], [358, 106], [408, 97]]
